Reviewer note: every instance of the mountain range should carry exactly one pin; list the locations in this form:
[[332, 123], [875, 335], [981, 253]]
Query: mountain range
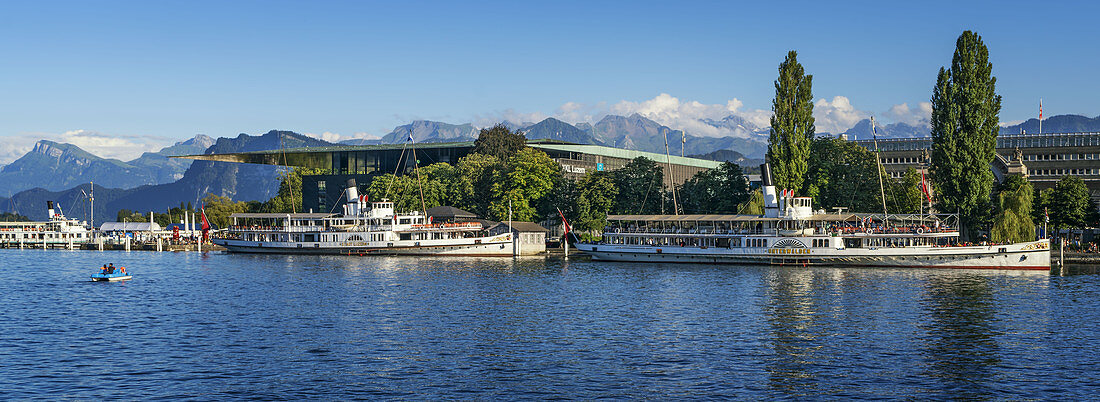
[[630, 132], [57, 166], [238, 181], [1066, 123], [61, 172]]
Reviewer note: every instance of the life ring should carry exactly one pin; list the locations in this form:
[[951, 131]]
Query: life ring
[[920, 231]]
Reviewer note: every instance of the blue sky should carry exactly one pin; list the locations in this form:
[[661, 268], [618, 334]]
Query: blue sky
[[121, 77]]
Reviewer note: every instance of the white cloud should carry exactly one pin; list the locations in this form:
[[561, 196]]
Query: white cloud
[[670, 111], [122, 147], [918, 116], [336, 137], [836, 116], [492, 119], [113, 146], [14, 147]]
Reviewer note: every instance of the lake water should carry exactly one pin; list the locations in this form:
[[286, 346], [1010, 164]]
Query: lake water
[[220, 326]]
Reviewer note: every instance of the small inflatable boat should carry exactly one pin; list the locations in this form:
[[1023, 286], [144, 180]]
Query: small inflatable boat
[[119, 275]]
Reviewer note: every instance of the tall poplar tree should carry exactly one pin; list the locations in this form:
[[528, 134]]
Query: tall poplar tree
[[965, 106], [792, 124]]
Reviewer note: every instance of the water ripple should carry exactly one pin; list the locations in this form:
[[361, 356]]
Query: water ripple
[[221, 326]]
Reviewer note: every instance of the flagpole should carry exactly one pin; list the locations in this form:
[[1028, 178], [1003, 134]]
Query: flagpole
[[1040, 115]]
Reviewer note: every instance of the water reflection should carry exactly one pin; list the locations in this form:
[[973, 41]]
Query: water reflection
[[794, 332], [959, 345]]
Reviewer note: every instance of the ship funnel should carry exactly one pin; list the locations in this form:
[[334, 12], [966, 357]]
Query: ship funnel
[[766, 174], [771, 202], [352, 192], [49, 209]]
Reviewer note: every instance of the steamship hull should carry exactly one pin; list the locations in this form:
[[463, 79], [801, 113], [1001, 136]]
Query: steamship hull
[[1020, 256], [486, 247]]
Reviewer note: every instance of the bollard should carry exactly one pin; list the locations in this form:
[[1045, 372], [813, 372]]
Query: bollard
[[1062, 256]]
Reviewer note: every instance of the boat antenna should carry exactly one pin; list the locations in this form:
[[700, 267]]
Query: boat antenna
[[668, 160], [878, 163], [419, 185]]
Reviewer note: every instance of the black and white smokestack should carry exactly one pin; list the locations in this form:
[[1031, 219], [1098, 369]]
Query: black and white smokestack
[[766, 175]]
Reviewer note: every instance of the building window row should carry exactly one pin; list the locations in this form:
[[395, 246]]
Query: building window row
[[1062, 157], [1063, 172], [903, 161]]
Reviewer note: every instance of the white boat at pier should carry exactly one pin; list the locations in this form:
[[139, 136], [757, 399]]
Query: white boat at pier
[[363, 228], [791, 233], [58, 231]]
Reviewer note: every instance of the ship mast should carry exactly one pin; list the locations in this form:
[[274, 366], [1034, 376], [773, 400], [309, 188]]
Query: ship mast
[[878, 164], [668, 160]]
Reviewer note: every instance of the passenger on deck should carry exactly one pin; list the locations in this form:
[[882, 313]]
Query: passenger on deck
[[110, 268], [104, 270]]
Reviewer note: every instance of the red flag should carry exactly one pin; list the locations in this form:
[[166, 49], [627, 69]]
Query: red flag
[[564, 222], [205, 223], [925, 188], [1040, 109]]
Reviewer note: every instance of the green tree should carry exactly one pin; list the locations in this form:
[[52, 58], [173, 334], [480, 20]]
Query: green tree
[[219, 209], [640, 185], [593, 195], [528, 177], [477, 173], [1069, 203], [792, 124], [1013, 223], [903, 196], [965, 108], [842, 174], [289, 196], [401, 190], [1041, 206], [499, 141], [715, 191], [754, 205], [13, 217]]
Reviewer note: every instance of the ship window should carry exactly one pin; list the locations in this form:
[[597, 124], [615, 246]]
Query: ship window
[[355, 238]]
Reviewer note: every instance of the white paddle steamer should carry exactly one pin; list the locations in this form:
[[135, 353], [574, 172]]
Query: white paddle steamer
[[364, 228], [791, 233]]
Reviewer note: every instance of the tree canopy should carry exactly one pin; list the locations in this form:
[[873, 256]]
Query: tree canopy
[[842, 174], [1013, 223], [527, 178], [1070, 203], [289, 196], [499, 141], [715, 191], [640, 185], [965, 108], [792, 124]]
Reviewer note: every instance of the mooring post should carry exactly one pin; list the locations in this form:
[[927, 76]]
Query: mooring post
[[1062, 255]]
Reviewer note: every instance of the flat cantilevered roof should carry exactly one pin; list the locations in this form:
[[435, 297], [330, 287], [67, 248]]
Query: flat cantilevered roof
[[308, 156]]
